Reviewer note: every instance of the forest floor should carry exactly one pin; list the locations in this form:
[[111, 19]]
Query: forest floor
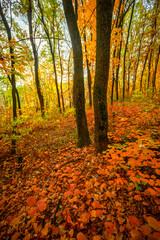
[[62, 192]]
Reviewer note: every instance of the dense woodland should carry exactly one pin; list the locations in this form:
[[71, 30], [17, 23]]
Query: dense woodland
[[80, 119]]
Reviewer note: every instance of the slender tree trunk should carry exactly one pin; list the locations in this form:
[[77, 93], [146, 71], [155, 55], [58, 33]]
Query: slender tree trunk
[[125, 51], [52, 54], [35, 53], [69, 88], [88, 72], [117, 69], [104, 20], [149, 68], [145, 61], [83, 134], [155, 71], [112, 90], [128, 87], [18, 98], [135, 73], [113, 76], [61, 67], [13, 80]]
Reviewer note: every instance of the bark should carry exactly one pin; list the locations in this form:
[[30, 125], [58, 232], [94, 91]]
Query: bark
[[81, 120], [149, 68], [125, 51], [128, 87], [118, 67], [113, 76], [89, 80], [52, 54], [155, 71], [61, 67], [35, 54], [69, 88], [18, 98], [143, 70], [104, 18], [139, 51]]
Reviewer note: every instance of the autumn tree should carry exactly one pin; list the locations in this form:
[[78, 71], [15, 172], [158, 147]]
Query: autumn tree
[[81, 120], [104, 19]]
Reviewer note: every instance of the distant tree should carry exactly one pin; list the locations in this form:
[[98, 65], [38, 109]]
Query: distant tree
[[36, 60], [104, 20], [79, 98]]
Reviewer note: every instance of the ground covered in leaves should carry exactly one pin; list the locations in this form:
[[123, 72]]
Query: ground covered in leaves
[[62, 192]]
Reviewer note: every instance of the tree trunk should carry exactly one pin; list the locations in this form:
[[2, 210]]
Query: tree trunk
[[139, 51], [35, 53], [113, 76], [125, 51], [88, 72], [104, 20], [61, 67], [69, 88], [18, 98], [149, 68], [155, 71], [82, 128]]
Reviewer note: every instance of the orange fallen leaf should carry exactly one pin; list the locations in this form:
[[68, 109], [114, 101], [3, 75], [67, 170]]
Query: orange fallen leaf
[[145, 229], [154, 223], [96, 213], [134, 220], [109, 226], [55, 230], [135, 234], [81, 236], [137, 198], [32, 211], [97, 237], [85, 217], [41, 205], [31, 201], [96, 204], [67, 194]]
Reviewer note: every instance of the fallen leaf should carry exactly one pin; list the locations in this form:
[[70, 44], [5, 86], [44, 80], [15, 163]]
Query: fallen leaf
[[154, 223], [134, 220], [31, 201], [81, 236], [85, 217], [41, 205]]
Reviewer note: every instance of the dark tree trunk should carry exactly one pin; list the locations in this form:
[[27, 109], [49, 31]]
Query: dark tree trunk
[[52, 54], [143, 71], [18, 98], [155, 71], [117, 69], [149, 68], [69, 88], [125, 51], [35, 53], [88, 72], [128, 87], [61, 67], [13, 80], [135, 73], [104, 20], [82, 128]]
